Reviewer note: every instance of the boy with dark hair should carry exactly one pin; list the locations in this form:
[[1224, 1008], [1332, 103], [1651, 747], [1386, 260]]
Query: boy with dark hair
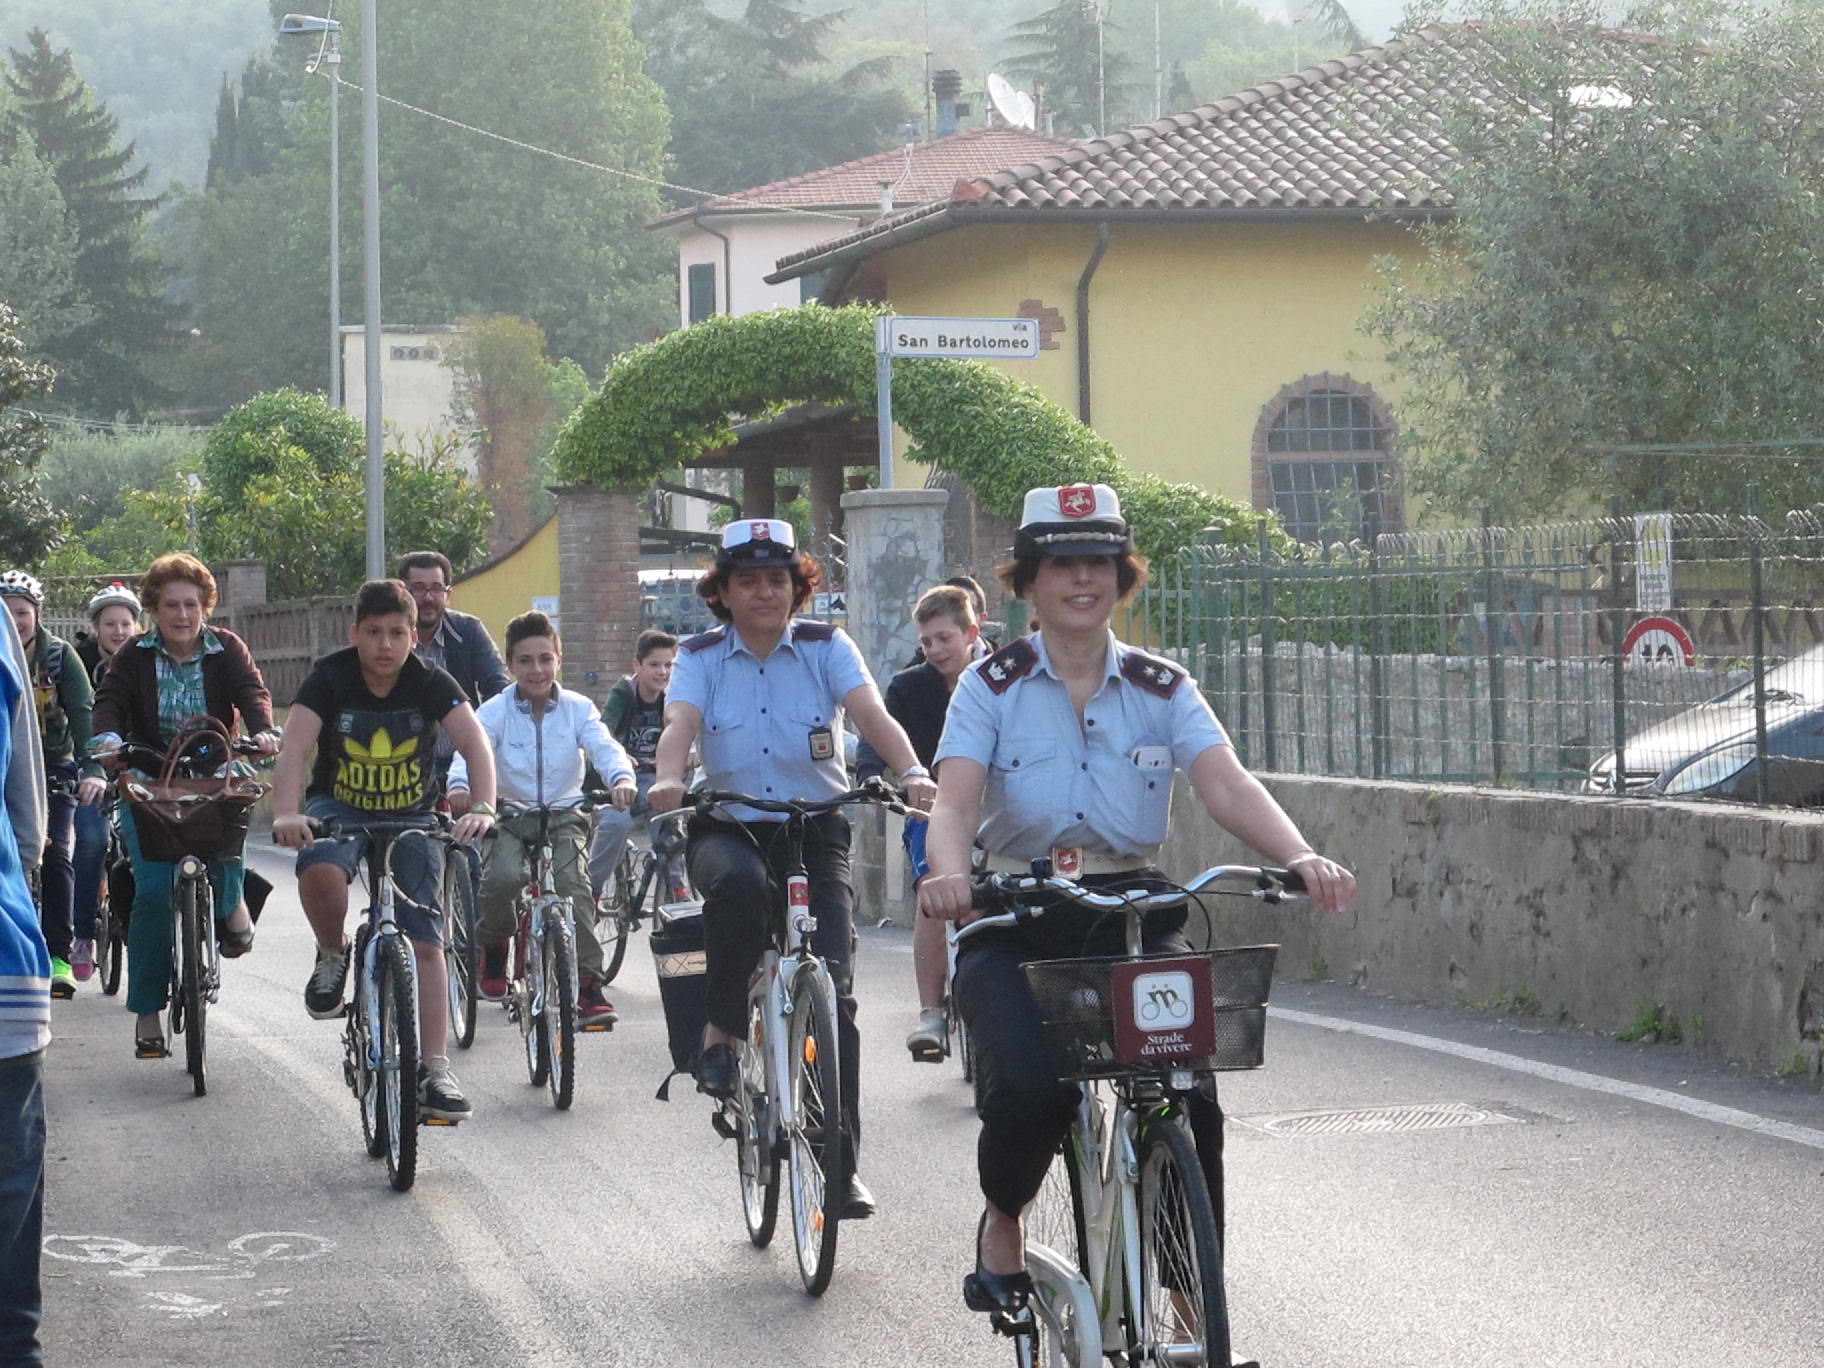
[[634, 714], [372, 713]]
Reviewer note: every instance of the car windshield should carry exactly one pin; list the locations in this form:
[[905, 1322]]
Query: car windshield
[[1796, 680]]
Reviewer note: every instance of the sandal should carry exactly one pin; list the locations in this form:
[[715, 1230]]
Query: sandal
[[985, 1291], [234, 944]]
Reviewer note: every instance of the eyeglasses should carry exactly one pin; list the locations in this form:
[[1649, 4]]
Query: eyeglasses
[[429, 590]]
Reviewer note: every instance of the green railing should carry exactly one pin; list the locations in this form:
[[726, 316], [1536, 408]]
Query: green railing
[[1514, 656]]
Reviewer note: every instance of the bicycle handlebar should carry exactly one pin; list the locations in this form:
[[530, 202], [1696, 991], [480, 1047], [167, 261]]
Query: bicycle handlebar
[[433, 824], [1270, 885], [874, 790], [592, 800]]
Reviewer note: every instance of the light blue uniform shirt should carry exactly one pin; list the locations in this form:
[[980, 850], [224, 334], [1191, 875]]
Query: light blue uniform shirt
[[766, 722], [1103, 784]]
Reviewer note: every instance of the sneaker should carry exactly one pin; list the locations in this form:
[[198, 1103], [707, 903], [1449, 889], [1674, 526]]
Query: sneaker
[[63, 981], [323, 994], [593, 1009], [931, 1037], [493, 983], [439, 1095], [82, 960]]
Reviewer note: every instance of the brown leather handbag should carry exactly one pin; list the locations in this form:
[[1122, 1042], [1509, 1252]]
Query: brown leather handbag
[[178, 815]]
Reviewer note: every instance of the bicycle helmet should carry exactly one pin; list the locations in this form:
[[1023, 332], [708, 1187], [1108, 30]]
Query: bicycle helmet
[[18, 584], [116, 594]]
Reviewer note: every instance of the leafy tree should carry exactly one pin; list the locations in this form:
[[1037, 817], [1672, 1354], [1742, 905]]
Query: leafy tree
[[28, 528], [102, 360], [38, 249], [250, 124], [87, 475], [1073, 55], [1635, 259], [503, 392], [245, 444], [754, 97]]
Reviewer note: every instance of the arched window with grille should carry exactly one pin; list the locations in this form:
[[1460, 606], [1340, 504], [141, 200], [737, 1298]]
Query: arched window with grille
[[1324, 460]]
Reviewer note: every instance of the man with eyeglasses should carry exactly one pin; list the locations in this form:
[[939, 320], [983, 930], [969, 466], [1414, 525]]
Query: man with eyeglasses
[[449, 640]]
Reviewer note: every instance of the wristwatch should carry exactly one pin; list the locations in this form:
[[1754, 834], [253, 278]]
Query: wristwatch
[[915, 772]]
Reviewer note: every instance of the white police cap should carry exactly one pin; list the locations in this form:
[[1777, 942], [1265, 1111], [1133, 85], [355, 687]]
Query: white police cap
[[1072, 520], [758, 541]]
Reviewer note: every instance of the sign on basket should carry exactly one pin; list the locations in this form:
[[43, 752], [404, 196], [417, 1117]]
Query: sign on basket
[[1163, 1009]]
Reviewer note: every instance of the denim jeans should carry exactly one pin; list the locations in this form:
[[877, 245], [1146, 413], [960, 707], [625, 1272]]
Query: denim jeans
[[56, 880], [611, 832], [91, 856], [21, 1208]]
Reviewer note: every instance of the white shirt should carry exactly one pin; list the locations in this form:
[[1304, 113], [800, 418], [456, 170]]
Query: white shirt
[[539, 760]]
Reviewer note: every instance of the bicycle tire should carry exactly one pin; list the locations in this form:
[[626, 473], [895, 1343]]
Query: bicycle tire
[[192, 921], [614, 921], [560, 1012], [958, 1036], [107, 943], [1066, 1330], [462, 952], [819, 1177], [364, 1077], [1180, 1254], [756, 1156], [398, 999]]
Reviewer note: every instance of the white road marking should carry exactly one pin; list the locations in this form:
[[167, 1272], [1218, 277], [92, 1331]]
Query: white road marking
[[1573, 1078]]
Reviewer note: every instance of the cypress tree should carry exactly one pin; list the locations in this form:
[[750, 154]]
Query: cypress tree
[[101, 362]]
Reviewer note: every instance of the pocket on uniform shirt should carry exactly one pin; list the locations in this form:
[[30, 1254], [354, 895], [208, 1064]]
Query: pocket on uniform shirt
[[730, 744], [1149, 790], [1016, 755]]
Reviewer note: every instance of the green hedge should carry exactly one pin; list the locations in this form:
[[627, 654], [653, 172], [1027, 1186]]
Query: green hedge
[[665, 403]]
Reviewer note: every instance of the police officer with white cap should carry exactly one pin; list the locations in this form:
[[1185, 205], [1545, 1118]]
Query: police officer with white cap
[[763, 697], [1063, 745]]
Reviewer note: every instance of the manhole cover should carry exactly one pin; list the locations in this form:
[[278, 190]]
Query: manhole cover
[[1376, 1120]]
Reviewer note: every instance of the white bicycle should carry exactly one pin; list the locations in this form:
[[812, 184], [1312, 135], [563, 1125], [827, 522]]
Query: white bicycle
[[1122, 1243]]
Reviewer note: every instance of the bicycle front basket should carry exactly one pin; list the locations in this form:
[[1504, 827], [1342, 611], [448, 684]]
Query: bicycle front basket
[[1077, 1007]]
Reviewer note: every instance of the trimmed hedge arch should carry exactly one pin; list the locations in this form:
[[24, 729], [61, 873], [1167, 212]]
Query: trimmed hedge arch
[[664, 403]]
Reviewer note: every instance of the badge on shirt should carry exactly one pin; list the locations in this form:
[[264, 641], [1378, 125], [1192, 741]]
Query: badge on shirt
[[823, 744]]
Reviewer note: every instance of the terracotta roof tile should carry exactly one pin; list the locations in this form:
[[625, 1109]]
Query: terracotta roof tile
[[935, 168], [1336, 137]]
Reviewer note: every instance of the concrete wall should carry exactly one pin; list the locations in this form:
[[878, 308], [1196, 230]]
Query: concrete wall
[[417, 386], [755, 244], [1590, 908]]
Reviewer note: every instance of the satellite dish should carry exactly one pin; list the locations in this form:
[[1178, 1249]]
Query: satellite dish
[[1014, 106]]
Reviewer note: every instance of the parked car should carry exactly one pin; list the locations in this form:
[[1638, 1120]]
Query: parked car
[[1709, 751]]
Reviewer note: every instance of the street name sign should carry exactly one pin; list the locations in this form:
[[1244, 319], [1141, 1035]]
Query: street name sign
[[1002, 338]]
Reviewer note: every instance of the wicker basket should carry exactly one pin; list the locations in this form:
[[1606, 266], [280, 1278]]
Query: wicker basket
[[1077, 1008]]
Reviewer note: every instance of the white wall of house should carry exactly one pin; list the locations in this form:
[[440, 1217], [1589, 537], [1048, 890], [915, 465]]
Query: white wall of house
[[755, 244], [417, 387]]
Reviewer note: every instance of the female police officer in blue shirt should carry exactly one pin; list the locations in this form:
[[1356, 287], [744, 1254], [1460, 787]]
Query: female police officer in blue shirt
[[1063, 745], [764, 696]]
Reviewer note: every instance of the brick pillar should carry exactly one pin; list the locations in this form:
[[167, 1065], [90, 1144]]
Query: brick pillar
[[598, 560]]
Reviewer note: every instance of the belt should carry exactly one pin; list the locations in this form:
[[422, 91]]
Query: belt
[[1070, 862]]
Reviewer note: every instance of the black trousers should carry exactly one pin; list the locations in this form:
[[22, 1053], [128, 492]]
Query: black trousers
[[1026, 1110], [740, 873]]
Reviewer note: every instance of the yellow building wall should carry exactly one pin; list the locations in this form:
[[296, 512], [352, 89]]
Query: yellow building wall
[[503, 589], [1194, 328]]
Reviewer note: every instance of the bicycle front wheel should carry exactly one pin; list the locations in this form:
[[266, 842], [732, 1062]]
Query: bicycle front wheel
[[1065, 1330], [193, 923], [755, 1153], [819, 1177], [560, 1012], [108, 954], [1185, 1313], [397, 1078], [614, 917], [461, 950]]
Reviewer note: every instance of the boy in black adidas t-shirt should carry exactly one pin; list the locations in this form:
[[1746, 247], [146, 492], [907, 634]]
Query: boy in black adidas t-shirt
[[371, 714]]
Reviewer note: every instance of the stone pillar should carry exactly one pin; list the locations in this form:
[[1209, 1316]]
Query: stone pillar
[[239, 584], [896, 552], [598, 561], [759, 498]]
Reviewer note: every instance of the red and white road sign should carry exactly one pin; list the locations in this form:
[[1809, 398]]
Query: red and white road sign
[[1658, 641]]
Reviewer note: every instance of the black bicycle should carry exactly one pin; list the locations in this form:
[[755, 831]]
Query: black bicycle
[[639, 874]]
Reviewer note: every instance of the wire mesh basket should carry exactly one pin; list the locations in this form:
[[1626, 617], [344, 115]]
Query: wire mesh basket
[[1077, 1007]]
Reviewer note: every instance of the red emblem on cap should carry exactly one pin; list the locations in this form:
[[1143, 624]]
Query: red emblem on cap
[[759, 531], [1077, 501]]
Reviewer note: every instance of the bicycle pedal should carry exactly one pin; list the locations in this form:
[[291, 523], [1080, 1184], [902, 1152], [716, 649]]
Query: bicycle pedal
[[596, 1027], [424, 1120], [720, 1123], [927, 1054]]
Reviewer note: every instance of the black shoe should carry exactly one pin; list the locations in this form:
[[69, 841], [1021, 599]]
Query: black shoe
[[719, 1071], [439, 1096], [858, 1203], [234, 944], [323, 993], [985, 1291]]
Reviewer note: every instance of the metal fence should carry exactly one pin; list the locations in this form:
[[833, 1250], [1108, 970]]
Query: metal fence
[[1664, 653]]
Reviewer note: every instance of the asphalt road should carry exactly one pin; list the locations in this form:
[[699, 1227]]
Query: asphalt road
[[1547, 1198]]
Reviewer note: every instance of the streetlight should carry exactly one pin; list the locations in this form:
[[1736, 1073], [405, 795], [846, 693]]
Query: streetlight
[[297, 25], [370, 274]]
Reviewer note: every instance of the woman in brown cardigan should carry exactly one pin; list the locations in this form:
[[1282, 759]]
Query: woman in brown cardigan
[[178, 668]]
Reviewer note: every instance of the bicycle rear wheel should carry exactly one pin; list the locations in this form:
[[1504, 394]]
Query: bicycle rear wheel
[[819, 1177], [1055, 1218], [560, 1011], [107, 942], [1065, 1330], [398, 1073], [614, 916], [193, 923], [755, 1154], [461, 950], [1185, 1311]]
